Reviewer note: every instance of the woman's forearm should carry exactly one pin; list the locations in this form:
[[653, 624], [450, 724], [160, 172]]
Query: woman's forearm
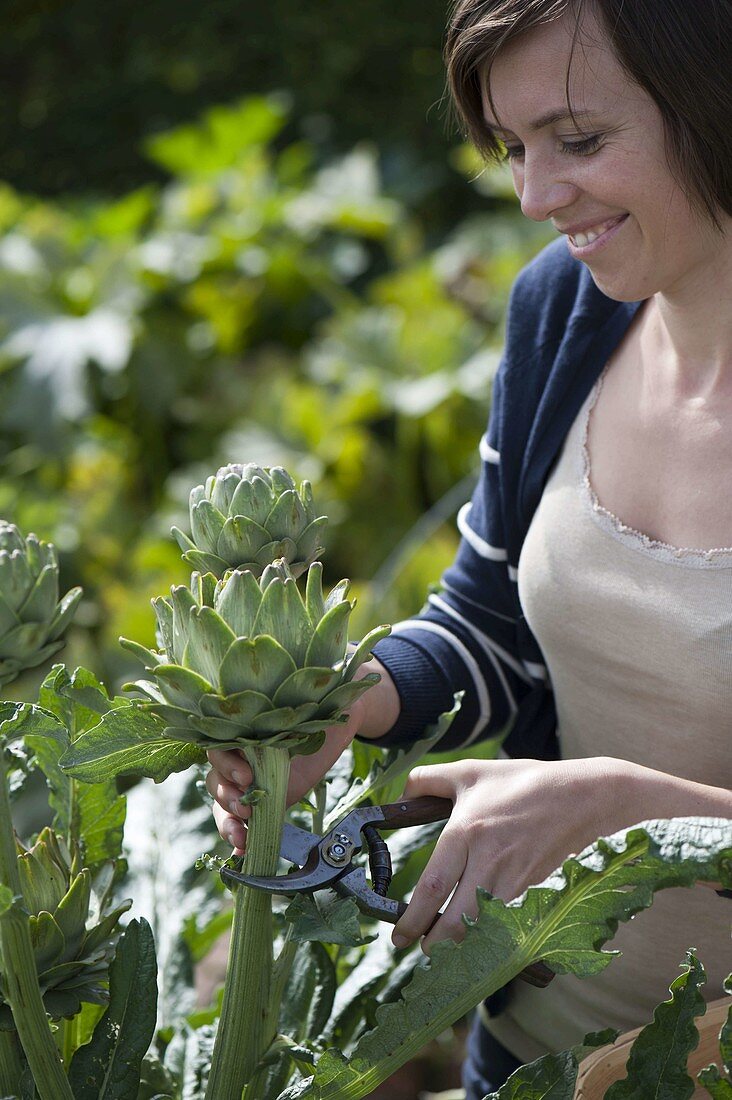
[[381, 703], [659, 794], [645, 793]]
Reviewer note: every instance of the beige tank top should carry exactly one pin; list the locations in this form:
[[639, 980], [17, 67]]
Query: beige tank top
[[637, 637]]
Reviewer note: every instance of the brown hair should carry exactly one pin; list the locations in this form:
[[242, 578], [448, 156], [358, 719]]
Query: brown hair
[[678, 51]]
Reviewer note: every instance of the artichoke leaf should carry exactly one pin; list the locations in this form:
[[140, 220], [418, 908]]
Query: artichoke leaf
[[222, 488], [16, 579], [337, 595], [23, 640], [241, 707], [252, 499], [149, 658], [207, 524], [206, 563], [309, 539], [320, 725], [8, 618], [283, 719], [314, 602], [209, 639], [272, 551], [306, 685], [345, 694], [182, 687], [362, 652], [256, 664], [163, 609], [282, 616], [71, 913], [287, 518], [146, 687], [238, 601], [64, 613], [42, 881], [182, 539], [219, 729], [182, 602], [40, 603], [47, 939], [240, 540], [330, 637]]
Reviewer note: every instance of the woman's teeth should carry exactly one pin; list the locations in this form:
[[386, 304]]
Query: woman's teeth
[[590, 235]]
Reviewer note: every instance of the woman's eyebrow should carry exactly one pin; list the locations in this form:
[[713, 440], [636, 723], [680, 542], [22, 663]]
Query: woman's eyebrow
[[548, 119]]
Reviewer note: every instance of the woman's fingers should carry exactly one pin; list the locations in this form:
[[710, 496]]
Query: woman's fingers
[[232, 766], [231, 829], [444, 869]]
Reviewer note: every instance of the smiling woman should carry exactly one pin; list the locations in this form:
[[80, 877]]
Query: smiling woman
[[589, 610]]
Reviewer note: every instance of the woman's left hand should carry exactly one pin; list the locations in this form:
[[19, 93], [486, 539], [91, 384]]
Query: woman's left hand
[[513, 822]]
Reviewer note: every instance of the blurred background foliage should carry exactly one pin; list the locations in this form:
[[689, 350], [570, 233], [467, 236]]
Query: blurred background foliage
[[314, 277]]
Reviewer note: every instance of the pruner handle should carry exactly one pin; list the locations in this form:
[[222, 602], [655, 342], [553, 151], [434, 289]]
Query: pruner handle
[[414, 811]]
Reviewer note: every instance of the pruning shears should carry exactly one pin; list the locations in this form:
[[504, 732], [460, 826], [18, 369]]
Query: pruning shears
[[327, 862]]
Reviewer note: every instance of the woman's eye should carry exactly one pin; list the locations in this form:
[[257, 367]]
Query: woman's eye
[[510, 152], [582, 148]]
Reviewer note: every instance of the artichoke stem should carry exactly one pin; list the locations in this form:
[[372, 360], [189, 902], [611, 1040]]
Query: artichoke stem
[[12, 1064], [249, 1018], [19, 970]]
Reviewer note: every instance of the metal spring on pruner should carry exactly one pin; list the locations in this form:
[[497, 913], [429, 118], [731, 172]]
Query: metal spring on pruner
[[379, 861]]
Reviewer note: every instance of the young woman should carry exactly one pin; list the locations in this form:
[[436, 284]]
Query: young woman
[[590, 605]]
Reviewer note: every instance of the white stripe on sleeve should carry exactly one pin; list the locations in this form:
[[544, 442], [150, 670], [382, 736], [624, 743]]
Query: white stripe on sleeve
[[488, 453], [488, 645], [481, 547], [481, 691]]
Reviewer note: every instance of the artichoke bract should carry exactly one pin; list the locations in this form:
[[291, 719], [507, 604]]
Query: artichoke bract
[[32, 619], [246, 517], [247, 660], [73, 923]]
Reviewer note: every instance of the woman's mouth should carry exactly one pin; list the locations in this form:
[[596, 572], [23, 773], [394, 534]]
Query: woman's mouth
[[590, 240]]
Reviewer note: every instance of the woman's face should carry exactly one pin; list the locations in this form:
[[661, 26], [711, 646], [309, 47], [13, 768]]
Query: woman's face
[[604, 182]]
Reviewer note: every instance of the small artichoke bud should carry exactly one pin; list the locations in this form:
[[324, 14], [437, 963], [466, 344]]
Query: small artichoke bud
[[245, 517], [260, 662], [73, 922], [32, 619]]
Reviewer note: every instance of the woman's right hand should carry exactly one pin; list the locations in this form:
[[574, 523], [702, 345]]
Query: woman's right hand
[[230, 775]]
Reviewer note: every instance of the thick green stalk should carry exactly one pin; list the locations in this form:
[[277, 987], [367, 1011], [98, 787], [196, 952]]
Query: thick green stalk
[[12, 1063], [248, 1020], [19, 970]]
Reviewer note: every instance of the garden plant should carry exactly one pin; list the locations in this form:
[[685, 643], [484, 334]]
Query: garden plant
[[251, 654]]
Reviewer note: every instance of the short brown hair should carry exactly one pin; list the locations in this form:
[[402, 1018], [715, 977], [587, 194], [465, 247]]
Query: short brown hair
[[678, 51]]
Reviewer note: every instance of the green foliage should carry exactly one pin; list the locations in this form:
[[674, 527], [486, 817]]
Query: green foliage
[[261, 310], [108, 1067], [554, 1076], [565, 921]]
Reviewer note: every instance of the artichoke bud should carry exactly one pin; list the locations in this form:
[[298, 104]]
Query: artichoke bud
[[245, 517], [257, 662], [32, 619], [74, 925]]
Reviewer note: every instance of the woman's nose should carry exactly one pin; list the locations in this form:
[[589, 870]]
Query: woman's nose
[[542, 189]]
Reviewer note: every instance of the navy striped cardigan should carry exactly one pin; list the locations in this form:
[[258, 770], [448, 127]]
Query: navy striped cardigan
[[472, 634]]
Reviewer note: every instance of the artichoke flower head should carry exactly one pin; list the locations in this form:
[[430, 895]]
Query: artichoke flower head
[[244, 654], [254, 660], [74, 925], [32, 619], [246, 517]]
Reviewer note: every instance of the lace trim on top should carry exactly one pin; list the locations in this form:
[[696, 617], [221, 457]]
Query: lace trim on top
[[719, 557]]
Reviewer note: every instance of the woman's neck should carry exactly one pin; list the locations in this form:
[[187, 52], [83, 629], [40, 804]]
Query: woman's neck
[[688, 328]]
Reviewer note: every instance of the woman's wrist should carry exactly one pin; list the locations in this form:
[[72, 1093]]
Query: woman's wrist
[[381, 703], [636, 793]]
